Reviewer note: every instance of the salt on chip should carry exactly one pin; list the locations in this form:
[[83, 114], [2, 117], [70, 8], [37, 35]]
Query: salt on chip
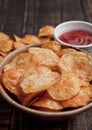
[[54, 46], [11, 78], [66, 88], [22, 60], [46, 31], [79, 63], [38, 78], [45, 101], [44, 56], [82, 98]]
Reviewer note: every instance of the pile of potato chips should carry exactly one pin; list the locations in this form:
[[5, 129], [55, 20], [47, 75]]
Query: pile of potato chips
[[47, 78]]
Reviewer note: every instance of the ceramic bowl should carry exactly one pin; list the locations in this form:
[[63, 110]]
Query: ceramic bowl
[[71, 26], [51, 116]]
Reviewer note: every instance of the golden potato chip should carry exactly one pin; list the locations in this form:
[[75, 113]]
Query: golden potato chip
[[54, 46], [1, 58], [31, 98], [44, 39], [11, 78], [6, 46], [46, 31], [18, 44], [3, 53], [27, 39], [66, 88], [30, 39], [44, 56], [67, 50], [22, 60], [45, 101], [82, 98], [38, 78], [3, 36], [79, 63], [27, 99], [17, 39]]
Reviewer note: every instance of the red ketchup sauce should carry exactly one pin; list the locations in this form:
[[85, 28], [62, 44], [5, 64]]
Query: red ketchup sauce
[[77, 37]]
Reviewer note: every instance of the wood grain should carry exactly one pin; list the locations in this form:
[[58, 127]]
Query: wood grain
[[27, 16]]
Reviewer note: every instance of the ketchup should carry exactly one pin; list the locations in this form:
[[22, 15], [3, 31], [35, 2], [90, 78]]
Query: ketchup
[[77, 37]]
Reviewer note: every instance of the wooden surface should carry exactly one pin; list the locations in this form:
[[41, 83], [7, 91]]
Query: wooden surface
[[27, 16]]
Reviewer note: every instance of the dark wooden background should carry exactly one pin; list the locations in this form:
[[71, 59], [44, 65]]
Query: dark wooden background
[[27, 16]]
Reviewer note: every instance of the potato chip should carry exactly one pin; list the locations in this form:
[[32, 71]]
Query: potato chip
[[54, 46], [46, 31], [18, 44], [45, 101], [6, 46], [31, 98], [82, 98], [66, 88], [3, 53], [28, 99], [67, 50], [27, 39], [79, 63], [30, 39], [44, 39], [22, 60], [11, 78], [3, 36], [38, 78], [17, 39], [44, 56], [1, 58]]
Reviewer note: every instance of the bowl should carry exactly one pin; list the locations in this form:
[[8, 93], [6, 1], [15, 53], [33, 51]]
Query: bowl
[[50, 116], [73, 26]]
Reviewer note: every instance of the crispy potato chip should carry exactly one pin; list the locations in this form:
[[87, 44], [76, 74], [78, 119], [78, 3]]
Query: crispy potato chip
[[1, 58], [27, 39], [28, 99], [17, 39], [54, 46], [82, 98], [44, 39], [79, 63], [67, 50], [31, 98], [6, 46], [46, 31], [38, 78], [66, 88], [30, 39], [3, 53], [11, 78], [45, 101], [3, 36], [18, 44], [44, 56], [22, 60]]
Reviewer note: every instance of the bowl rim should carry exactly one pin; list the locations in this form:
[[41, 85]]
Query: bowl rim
[[30, 110], [70, 22]]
